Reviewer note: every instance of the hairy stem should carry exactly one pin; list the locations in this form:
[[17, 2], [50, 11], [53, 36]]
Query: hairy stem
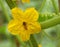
[[33, 41], [49, 23]]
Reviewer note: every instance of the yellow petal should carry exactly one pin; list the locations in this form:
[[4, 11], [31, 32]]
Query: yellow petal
[[17, 13], [35, 27], [25, 36], [14, 27], [39, 45], [26, 1], [31, 14]]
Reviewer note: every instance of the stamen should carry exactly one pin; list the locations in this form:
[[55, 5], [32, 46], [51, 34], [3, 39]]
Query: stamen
[[25, 25]]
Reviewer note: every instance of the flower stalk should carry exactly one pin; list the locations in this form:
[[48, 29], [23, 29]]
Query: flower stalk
[[49, 23], [33, 41]]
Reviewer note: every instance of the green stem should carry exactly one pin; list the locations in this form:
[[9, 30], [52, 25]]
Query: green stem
[[55, 6], [42, 5], [4, 10], [30, 44], [49, 23], [33, 41], [22, 43]]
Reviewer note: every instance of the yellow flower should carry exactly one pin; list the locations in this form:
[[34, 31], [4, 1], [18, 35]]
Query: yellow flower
[[27, 1], [40, 45], [24, 23]]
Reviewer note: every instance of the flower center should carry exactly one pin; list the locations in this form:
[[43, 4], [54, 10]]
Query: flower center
[[25, 25]]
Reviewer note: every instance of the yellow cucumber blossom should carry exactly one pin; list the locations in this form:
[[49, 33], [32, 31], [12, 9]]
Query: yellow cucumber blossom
[[24, 23], [26, 1]]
